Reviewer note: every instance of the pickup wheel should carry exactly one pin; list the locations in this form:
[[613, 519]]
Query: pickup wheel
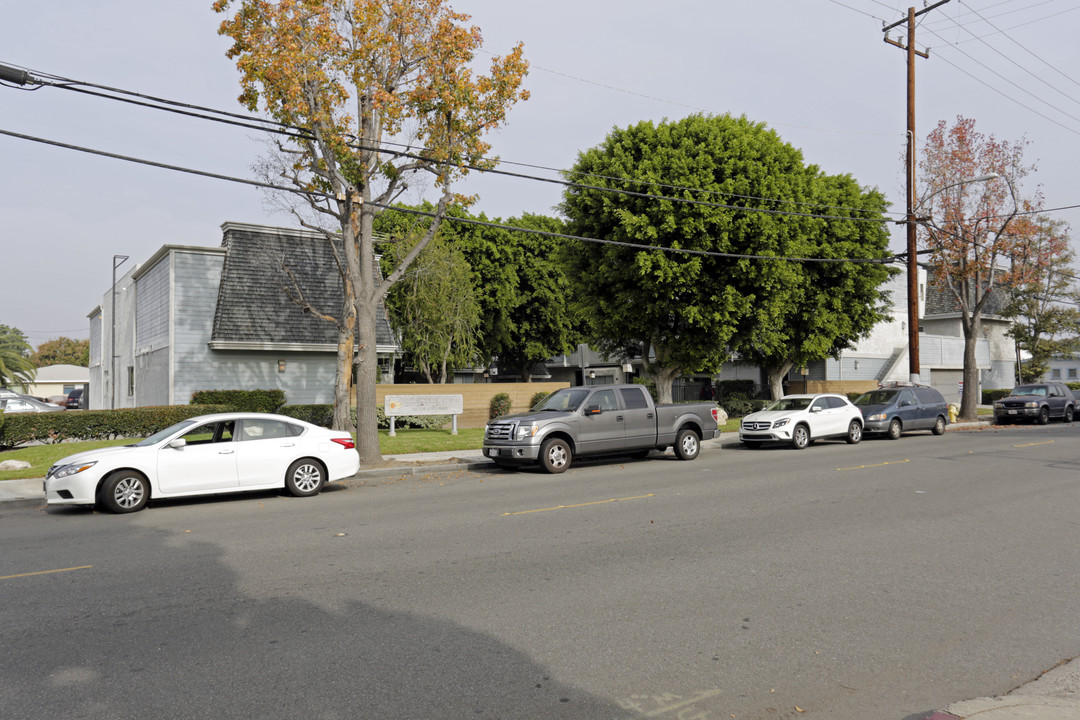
[[687, 445], [555, 455]]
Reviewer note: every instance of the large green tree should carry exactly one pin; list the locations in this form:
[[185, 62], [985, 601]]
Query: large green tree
[[721, 187], [16, 367], [62, 351], [353, 76]]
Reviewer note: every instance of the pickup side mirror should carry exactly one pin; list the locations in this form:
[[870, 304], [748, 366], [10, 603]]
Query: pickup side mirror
[[178, 443], [592, 410]]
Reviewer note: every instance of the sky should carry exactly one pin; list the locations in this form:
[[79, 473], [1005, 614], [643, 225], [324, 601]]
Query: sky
[[816, 71]]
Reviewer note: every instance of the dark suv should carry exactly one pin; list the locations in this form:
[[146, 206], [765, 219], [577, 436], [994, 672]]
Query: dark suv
[[897, 408], [75, 400], [1036, 401]]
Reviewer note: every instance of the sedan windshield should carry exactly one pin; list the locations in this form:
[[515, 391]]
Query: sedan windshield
[[162, 434], [790, 404], [1029, 390], [876, 397], [567, 400]]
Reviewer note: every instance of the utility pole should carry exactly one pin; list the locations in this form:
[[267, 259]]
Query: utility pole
[[912, 256]]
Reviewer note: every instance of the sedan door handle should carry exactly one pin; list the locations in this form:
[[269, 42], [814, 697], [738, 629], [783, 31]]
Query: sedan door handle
[[229, 451], [288, 444]]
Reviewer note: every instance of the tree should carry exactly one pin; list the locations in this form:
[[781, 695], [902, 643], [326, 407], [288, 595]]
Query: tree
[[834, 303], [352, 75], [434, 308], [16, 367], [979, 241], [745, 192], [1045, 308], [62, 351]]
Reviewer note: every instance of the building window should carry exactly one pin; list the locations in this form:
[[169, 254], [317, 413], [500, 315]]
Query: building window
[[1055, 373], [131, 381], [1072, 373]]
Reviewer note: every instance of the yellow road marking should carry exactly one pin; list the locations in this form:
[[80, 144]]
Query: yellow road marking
[[1044, 442], [564, 507], [46, 572], [860, 467]]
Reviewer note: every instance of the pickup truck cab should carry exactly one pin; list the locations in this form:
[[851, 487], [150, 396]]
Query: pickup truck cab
[[609, 419]]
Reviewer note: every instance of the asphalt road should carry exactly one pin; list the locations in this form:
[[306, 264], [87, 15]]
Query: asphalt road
[[872, 581]]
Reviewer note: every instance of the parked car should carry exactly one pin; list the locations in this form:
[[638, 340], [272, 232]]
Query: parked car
[[207, 454], [1036, 401], [26, 404], [76, 400], [802, 419], [896, 409], [594, 421]]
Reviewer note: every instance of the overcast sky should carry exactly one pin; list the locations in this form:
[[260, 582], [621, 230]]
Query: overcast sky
[[816, 71]]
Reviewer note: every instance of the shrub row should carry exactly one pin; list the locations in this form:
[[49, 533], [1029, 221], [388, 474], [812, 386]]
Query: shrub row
[[265, 401], [324, 415], [16, 429]]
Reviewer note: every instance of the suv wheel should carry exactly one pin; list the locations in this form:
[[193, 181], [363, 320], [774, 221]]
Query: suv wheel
[[1044, 415], [854, 432], [800, 437]]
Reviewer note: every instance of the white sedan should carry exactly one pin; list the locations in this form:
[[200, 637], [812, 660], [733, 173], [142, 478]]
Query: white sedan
[[227, 452], [801, 419]]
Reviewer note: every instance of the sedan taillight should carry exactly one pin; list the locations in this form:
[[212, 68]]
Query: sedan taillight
[[346, 443]]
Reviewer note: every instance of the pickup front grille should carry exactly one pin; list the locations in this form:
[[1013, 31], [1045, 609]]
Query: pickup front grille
[[499, 432]]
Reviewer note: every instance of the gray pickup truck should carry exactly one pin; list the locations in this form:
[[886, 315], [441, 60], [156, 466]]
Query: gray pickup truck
[[609, 419]]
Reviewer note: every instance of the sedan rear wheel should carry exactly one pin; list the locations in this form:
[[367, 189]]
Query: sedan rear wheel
[[854, 432], [124, 492], [800, 437], [895, 429], [305, 478]]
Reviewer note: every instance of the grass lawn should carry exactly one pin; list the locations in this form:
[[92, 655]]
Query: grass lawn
[[41, 457]]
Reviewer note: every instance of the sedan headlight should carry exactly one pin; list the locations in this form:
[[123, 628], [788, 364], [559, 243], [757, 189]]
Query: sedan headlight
[[69, 470], [781, 422], [526, 431], [876, 417]]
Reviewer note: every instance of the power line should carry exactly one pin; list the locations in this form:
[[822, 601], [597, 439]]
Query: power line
[[466, 221], [277, 127]]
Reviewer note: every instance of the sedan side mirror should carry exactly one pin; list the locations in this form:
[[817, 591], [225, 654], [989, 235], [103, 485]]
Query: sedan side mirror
[[178, 443]]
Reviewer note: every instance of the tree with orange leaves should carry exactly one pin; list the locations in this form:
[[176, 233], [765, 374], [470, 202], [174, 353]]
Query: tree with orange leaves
[[978, 229], [356, 79]]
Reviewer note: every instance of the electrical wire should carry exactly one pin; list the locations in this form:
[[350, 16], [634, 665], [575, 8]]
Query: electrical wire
[[466, 221]]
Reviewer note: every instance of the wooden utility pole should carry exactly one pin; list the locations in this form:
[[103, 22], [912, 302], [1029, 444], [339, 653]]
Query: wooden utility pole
[[912, 255]]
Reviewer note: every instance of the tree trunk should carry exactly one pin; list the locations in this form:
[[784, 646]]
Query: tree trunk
[[343, 378], [664, 377], [776, 375], [969, 403], [362, 277]]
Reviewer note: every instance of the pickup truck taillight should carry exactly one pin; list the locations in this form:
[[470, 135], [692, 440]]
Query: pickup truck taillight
[[716, 415]]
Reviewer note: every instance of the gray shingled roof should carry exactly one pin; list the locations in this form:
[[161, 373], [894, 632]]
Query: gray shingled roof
[[940, 300], [253, 305]]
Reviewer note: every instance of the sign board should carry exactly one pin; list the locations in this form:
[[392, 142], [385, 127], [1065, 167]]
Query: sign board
[[396, 405]]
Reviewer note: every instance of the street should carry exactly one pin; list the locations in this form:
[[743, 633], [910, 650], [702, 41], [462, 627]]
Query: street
[[878, 580]]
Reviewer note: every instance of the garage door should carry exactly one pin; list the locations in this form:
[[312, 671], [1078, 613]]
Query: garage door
[[947, 382]]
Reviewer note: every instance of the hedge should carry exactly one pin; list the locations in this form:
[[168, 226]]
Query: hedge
[[53, 427], [264, 401], [324, 415], [989, 396]]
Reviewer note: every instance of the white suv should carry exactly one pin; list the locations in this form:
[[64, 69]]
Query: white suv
[[801, 419]]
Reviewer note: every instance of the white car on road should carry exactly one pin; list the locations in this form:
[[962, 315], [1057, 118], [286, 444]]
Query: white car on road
[[801, 419], [226, 452]]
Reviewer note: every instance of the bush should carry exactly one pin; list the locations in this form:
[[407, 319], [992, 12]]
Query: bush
[[538, 398], [738, 405], [745, 388], [20, 428], [265, 401], [324, 415], [500, 405], [1075, 387], [989, 396]]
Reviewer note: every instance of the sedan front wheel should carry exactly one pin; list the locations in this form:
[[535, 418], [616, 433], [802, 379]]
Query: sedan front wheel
[[124, 492]]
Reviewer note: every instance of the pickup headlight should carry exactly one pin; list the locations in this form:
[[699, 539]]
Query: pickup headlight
[[69, 470], [876, 417], [781, 422], [525, 431]]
